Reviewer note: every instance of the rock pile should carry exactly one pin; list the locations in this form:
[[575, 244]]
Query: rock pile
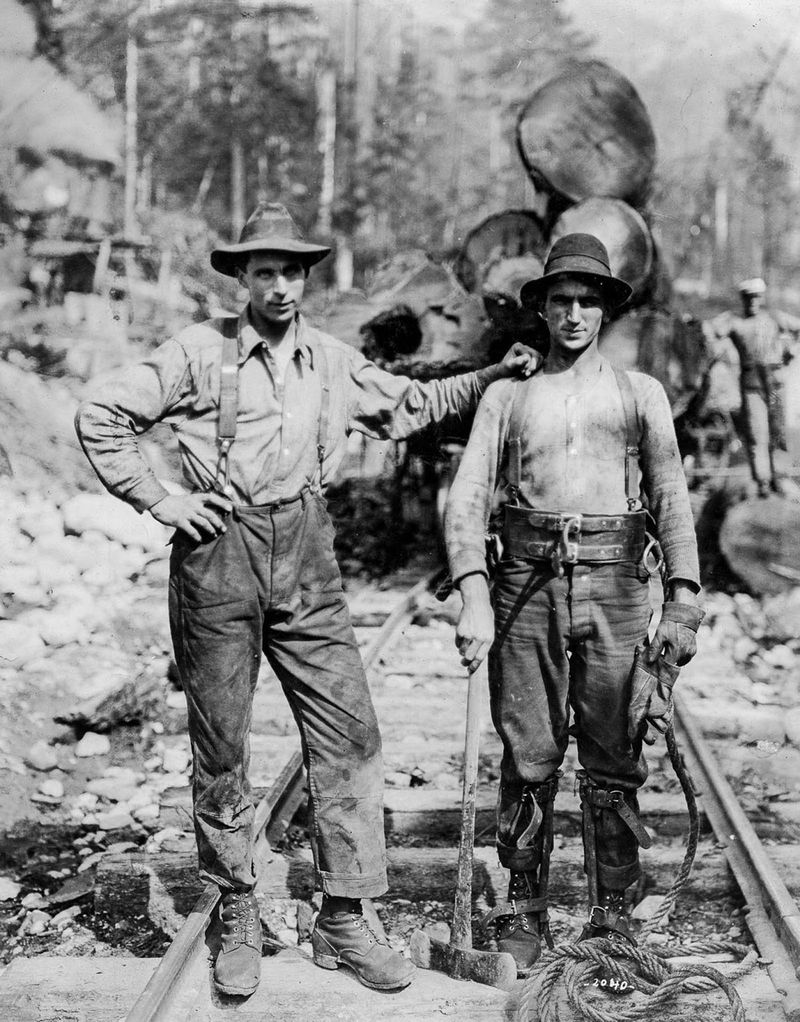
[[82, 613]]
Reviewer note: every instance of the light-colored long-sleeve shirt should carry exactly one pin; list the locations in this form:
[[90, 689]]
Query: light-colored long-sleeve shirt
[[572, 459], [275, 453]]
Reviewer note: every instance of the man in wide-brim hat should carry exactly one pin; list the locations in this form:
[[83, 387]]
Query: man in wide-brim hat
[[261, 405], [577, 447]]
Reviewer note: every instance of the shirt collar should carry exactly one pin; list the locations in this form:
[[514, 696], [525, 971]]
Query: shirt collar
[[250, 338]]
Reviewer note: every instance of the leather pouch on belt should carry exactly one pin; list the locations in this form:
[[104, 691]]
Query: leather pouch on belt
[[651, 695]]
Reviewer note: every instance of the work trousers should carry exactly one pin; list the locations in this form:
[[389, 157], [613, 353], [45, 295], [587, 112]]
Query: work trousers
[[567, 644], [271, 583], [758, 437]]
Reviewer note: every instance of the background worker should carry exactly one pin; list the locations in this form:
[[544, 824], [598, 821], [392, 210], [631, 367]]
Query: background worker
[[261, 405], [573, 450], [765, 342]]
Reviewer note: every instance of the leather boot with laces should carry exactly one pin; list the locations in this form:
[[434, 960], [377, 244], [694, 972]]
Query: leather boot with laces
[[344, 938], [237, 969], [519, 933]]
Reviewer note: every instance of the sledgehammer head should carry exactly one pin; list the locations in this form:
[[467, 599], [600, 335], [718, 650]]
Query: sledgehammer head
[[493, 968]]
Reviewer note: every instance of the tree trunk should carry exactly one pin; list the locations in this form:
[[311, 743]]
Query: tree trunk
[[586, 132], [760, 539], [326, 121], [621, 229], [237, 185], [507, 235], [131, 89]]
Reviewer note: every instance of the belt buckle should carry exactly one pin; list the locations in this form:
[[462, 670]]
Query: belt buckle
[[566, 550], [598, 917]]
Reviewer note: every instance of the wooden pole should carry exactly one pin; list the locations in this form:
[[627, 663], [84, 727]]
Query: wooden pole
[[131, 90], [237, 183], [263, 177], [326, 107], [236, 144]]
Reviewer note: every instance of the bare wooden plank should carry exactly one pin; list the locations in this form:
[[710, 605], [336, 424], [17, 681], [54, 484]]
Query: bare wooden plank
[[435, 813], [293, 989], [165, 886], [71, 989]]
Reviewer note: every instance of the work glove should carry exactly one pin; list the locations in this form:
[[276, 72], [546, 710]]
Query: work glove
[[674, 639], [651, 695]]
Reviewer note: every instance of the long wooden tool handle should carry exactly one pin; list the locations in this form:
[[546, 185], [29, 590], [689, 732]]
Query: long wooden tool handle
[[461, 933]]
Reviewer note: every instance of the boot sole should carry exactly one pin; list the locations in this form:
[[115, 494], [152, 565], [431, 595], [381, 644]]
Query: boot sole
[[235, 991], [330, 962]]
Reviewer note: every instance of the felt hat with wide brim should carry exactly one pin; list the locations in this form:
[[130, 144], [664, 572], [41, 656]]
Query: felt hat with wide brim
[[270, 228], [577, 255]]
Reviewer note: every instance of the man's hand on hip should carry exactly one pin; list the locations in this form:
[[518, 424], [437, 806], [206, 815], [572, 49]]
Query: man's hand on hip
[[475, 629], [196, 514]]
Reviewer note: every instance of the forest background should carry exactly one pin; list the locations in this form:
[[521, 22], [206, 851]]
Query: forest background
[[389, 124]]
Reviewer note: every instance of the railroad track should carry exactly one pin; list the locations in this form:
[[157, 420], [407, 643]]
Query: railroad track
[[169, 993], [165, 990]]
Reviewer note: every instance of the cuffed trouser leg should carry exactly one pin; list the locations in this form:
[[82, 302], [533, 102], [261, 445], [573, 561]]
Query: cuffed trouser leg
[[310, 643], [314, 653]]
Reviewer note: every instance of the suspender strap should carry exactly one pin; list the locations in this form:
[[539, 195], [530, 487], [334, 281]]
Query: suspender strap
[[514, 447], [228, 400], [633, 432], [321, 365]]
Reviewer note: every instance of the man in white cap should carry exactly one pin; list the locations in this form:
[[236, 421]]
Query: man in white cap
[[261, 405], [571, 453], [764, 343]]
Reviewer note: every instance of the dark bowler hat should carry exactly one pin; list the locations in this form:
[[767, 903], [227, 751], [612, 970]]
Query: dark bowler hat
[[580, 255], [270, 228]]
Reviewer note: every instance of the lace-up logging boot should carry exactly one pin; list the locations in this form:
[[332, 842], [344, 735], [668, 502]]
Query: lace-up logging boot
[[519, 934], [237, 969], [344, 938]]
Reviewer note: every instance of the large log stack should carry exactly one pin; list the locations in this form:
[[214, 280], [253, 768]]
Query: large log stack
[[587, 144]]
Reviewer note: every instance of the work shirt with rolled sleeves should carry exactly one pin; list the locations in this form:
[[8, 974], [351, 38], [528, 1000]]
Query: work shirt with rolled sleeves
[[274, 456], [572, 459]]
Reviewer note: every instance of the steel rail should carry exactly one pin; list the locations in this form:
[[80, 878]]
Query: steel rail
[[187, 950], [773, 916]]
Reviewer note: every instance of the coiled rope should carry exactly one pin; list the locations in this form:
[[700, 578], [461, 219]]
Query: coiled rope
[[578, 967]]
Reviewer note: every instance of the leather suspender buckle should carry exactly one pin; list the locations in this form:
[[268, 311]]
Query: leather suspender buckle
[[224, 464]]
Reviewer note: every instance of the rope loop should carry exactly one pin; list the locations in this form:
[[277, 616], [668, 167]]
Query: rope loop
[[600, 963]]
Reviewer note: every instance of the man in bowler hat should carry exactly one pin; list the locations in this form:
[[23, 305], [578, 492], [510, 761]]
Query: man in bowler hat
[[261, 405], [574, 451]]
